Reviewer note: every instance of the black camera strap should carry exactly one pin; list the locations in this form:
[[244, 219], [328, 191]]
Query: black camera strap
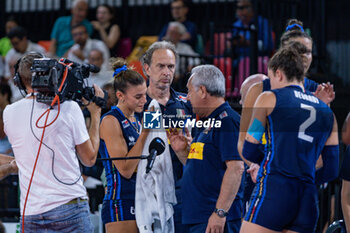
[[99, 101]]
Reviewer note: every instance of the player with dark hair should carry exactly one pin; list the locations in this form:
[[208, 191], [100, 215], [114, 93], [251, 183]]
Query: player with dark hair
[[121, 137], [298, 128], [294, 33]]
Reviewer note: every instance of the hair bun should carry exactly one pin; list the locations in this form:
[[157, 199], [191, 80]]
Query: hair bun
[[118, 63], [294, 25]]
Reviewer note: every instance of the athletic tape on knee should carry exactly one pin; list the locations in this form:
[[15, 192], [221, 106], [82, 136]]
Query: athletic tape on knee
[[256, 130]]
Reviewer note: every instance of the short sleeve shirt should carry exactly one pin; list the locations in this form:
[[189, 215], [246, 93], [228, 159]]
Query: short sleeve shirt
[[205, 167], [61, 32]]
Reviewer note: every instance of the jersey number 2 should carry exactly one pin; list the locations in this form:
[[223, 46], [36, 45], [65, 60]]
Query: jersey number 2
[[311, 119]]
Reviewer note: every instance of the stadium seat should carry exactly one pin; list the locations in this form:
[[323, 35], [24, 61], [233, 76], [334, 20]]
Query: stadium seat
[[124, 47], [45, 44]]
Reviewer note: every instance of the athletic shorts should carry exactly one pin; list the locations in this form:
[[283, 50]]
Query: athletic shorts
[[279, 202], [345, 169], [118, 210]]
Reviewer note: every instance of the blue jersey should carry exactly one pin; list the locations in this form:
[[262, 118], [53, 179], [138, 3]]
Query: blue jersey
[[205, 168], [119, 187], [296, 132], [309, 85]]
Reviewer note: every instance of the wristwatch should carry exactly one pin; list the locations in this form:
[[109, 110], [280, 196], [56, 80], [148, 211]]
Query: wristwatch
[[221, 213]]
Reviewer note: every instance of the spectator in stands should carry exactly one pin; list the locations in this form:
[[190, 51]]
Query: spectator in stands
[[105, 29], [104, 76], [174, 34], [5, 99], [241, 35], [21, 45], [5, 95], [61, 37], [184, 64], [80, 51], [5, 43], [179, 10], [16, 93], [111, 96], [345, 175]]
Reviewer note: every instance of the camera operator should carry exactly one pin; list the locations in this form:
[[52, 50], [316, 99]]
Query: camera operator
[[52, 193]]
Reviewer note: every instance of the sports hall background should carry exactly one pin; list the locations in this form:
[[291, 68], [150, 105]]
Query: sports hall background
[[327, 20]]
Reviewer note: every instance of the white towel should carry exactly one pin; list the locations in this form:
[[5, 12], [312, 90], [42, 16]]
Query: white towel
[[155, 191]]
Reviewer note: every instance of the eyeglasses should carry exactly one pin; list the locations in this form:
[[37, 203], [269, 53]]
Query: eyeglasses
[[242, 7]]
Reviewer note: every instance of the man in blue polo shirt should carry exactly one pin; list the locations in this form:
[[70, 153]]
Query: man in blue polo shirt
[[179, 10], [211, 184], [61, 36], [159, 64]]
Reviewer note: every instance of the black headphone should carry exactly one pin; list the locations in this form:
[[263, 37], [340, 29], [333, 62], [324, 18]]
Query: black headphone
[[18, 79]]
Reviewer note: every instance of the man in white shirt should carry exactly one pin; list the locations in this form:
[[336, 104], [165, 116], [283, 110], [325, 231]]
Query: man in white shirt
[[79, 52], [187, 57], [20, 46], [174, 34], [102, 77], [55, 199], [16, 93]]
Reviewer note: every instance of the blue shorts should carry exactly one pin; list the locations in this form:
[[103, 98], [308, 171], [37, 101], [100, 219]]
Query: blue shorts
[[279, 202], [345, 169], [249, 186], [69, 218], [118, 210]]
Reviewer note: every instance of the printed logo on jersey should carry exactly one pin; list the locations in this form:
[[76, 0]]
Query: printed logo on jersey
[[125, 123], [223, 115], [131, 141], [196, 151], [182, 98], [263, 139], [180, 113]]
